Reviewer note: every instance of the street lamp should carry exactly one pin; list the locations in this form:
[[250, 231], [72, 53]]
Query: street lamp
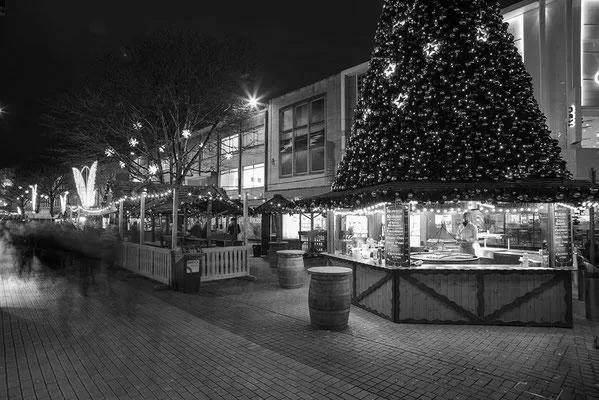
[[253, 102]]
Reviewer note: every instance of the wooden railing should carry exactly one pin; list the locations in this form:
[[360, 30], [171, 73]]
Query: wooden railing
[[225, 263], [156, 263], [152, 262]]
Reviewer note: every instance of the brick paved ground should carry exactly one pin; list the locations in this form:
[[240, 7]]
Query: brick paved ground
[[239, 339]]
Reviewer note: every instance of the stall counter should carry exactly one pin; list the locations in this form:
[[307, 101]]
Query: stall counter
[[489, 294]]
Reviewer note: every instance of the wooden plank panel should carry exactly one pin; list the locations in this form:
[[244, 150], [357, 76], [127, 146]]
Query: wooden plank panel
[[381, 299], [417, 305]]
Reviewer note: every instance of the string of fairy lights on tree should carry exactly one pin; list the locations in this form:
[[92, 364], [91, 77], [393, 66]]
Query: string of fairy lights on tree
[[446, 98]]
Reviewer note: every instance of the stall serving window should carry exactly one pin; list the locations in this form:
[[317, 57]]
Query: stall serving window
[[525, 235]]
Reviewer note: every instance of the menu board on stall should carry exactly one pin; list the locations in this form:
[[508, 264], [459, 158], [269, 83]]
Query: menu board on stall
[[562, 239], [397, 239]]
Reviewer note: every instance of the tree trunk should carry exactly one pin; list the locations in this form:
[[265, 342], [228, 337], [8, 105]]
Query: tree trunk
[[51, 199]]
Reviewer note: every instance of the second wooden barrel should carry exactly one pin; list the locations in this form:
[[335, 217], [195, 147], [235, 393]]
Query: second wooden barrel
[[329, 297], [291, 268], [273, 247]]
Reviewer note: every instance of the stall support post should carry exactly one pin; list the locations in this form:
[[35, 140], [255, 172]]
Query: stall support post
[[153, 227], [592, 235], [142, 217], [592, 223], [184, 222], [121, 218], [245, 219], [175, 217], [209, 223]]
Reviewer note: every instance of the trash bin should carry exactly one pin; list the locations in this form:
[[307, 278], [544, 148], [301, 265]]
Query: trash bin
[[257, 249], [591, 283], [189, 273]]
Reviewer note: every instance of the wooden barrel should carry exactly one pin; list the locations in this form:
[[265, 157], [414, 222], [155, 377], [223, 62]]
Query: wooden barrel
[[291, 268], [329, 297], [273, 247]]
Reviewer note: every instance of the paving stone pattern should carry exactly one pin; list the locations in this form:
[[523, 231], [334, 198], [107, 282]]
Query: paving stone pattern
[[117, 337]]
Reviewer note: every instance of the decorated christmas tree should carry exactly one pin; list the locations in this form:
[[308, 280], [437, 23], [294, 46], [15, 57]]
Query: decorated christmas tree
[[446, 98]]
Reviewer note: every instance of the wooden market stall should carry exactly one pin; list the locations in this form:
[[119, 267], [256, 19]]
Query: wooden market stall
[[410, 265], [157, 259]]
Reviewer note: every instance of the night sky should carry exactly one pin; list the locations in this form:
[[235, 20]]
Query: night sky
[[44, 43]]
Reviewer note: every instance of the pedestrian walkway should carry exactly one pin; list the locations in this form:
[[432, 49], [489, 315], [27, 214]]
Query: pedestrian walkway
[[120, 338]]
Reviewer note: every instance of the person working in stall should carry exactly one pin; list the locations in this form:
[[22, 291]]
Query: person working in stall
[[467, 234]]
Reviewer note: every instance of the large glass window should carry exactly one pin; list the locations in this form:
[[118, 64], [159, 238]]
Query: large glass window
[[229, 145], [229, 179], [302, 138], [252, 129], [590, 132], [253, 176], [590, 52]]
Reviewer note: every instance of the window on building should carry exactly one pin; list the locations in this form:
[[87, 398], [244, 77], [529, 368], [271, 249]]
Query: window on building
[[590, 52], [516, 28], [229, 179], [253, 130], [302, 138], [253, 176], [590, 132], [229, 145]]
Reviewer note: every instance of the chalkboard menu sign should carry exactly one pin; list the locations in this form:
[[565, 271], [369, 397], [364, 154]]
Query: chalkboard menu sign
[[397, 239], [562, 240]]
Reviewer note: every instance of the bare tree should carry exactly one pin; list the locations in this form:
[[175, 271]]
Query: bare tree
[[156, 105]]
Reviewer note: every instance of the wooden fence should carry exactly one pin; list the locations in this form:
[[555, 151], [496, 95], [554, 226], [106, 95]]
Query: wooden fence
[[225, 263], [152, 262], [157, 264]]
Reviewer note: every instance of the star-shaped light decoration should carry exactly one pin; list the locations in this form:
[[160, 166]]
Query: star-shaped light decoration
[[133, 142], [161, 149], [432, 48], [121, 164], [186, 133], [401, 100], [109, 152], [482, 34], [137, 125], [390, 70], [153, 169]]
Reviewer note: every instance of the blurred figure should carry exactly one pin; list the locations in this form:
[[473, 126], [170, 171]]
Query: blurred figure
[[233, 229]]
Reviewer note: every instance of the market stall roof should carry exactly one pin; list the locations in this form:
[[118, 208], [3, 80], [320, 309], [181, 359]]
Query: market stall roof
[[549, 190], [159, 199], [277, 204]]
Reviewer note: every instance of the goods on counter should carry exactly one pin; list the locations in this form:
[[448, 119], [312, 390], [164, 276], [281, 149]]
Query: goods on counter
[[443, 257]]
